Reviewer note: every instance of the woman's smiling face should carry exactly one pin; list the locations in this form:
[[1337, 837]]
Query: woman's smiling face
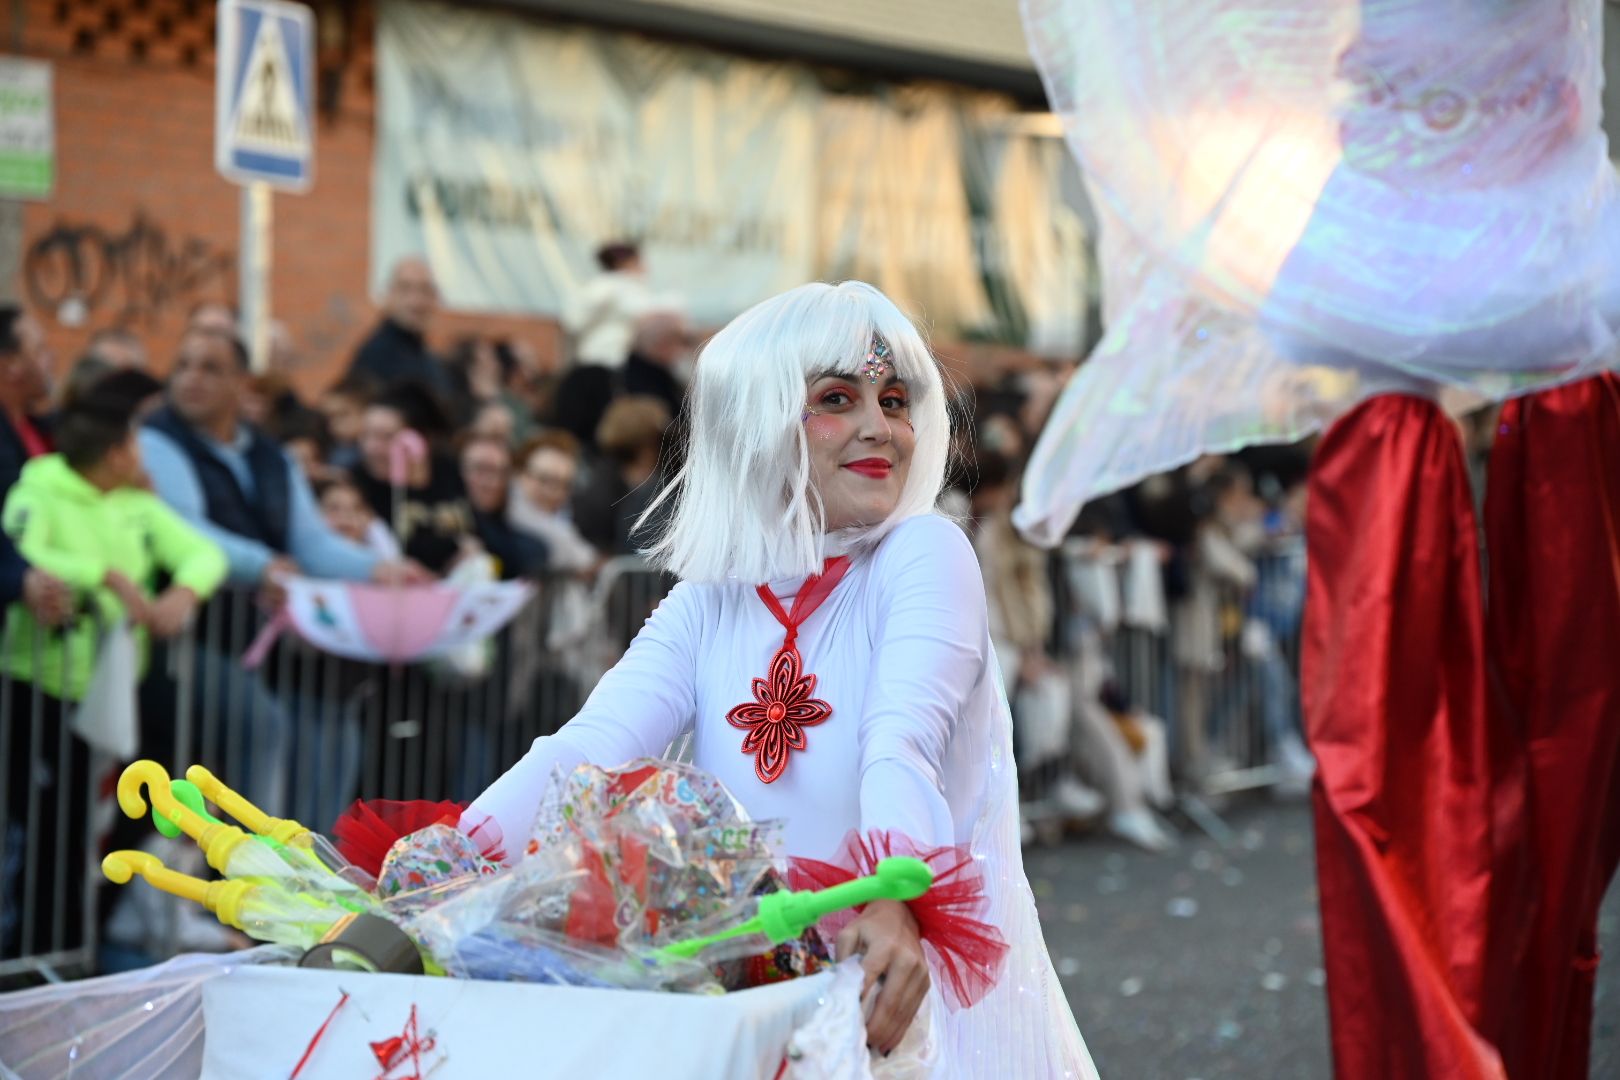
[[861, 442]]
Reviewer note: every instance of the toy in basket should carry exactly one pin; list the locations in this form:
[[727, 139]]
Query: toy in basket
[[648, 876]]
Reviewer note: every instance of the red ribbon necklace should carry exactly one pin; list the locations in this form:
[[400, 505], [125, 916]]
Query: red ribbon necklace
[[784, 701]]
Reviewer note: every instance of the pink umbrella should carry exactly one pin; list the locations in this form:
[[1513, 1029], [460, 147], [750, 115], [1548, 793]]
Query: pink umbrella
[[390, 624]]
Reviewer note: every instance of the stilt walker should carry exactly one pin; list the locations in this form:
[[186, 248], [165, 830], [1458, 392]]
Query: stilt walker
[[1362, 216]]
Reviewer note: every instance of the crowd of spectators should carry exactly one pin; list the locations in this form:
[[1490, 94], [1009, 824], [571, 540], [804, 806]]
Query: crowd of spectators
[[1143, 652], [133, 501], [221, 479]]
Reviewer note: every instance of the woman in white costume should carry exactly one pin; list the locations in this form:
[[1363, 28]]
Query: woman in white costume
[[819, 439]]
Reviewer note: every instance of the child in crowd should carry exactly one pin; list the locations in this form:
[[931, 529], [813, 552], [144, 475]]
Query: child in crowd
[[349, 516], [344, 406], [84, 515]]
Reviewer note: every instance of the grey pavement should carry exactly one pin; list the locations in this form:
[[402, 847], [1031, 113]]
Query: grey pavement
[[1206, 964]]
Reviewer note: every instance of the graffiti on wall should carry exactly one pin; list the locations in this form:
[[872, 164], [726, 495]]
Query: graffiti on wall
[[124, 278]]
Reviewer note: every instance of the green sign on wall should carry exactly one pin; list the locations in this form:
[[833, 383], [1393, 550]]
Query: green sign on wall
[[27, 132]]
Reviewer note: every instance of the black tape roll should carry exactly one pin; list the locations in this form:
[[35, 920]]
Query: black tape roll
[[366, 943]]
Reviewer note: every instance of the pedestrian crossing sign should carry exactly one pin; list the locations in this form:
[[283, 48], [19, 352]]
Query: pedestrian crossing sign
[[263, 94]]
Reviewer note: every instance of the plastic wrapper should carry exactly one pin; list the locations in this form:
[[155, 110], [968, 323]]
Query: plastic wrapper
[[369, 828], [665, 840], [429, 866], [514, 927], [278, 917], [327, 854], [620, 862], [145, 1023], [297, 869], [751, 960]]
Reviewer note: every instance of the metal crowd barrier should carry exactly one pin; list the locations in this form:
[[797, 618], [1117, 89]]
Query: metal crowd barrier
[[1221, 668], [308, 732], [47, 805], [303, 736]]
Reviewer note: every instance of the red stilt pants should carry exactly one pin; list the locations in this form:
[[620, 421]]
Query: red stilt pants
[[1419, 789], [1553, 533]]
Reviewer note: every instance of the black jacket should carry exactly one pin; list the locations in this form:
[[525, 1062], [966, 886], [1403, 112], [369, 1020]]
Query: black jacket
[[650, 379], [13, 568], [262, 516], [393, 354], [436, 516], [519, 554], [13, 454]]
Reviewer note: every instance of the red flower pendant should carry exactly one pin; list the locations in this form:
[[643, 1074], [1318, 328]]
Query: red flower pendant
[[775, 720]]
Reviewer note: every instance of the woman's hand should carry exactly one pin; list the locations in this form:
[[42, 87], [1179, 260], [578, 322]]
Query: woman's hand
[[885, 937]]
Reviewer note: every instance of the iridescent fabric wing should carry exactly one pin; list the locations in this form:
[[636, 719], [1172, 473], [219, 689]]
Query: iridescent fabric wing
[[1305, 202]]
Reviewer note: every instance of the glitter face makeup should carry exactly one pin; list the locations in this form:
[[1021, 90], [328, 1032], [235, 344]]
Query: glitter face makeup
[[878, 363]]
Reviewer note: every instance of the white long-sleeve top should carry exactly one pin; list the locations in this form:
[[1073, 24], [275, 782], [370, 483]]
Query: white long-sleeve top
[[919, 741], [602, 316], [899, 650]]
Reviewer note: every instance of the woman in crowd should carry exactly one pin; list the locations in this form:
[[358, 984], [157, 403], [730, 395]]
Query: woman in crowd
[[631, 439], [486, 473], [542, 499]]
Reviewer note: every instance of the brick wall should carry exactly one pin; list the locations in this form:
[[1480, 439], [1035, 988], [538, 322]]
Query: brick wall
[[142, 227]]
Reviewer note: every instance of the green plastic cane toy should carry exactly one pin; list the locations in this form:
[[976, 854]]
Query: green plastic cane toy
[[190, 796], [783, 916]]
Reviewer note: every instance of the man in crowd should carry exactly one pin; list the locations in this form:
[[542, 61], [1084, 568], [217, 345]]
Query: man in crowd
[[24, 390], [343, 404], [602, 318], [23, 360], [397, 349], [236, 483], [541, 501], [428, 513], [246, 493]]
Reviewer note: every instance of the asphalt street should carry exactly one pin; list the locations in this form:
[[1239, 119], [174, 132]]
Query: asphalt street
[[1206, 964]]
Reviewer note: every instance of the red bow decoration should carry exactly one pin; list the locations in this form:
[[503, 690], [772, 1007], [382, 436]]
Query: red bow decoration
[[783, 706], [368, 829], [968, 951], [405, 1048]]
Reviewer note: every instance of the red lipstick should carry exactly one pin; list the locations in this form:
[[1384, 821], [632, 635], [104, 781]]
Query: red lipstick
[[876, 468]]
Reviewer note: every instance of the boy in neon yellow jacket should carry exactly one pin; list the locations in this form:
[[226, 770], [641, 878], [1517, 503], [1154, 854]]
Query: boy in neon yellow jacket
[[82, 515]]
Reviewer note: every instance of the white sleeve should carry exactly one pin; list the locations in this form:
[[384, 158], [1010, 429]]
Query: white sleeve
[[929, 654], [637, 709]]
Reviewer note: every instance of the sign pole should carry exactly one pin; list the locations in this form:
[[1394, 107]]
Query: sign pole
[[264, 135], [254, 273]]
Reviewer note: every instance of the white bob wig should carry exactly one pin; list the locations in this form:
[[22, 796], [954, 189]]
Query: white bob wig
[[744, 506]]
